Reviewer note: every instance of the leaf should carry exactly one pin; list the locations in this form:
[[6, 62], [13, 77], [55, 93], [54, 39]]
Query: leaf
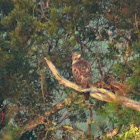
[[68, 127], [54, 123]]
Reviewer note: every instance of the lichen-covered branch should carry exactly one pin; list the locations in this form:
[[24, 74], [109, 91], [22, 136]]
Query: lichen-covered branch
[[98, 93]]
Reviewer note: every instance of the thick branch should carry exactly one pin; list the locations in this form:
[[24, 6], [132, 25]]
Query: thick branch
[[98, 93]]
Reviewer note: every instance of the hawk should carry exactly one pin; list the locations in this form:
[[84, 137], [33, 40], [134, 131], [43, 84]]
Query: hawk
[[81, 70]]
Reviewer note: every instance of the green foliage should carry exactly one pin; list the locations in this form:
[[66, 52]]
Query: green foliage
[[5, 54], [132, 132], [107, 34], [11, 132], [126, 119], [134, 80], [6, 6]]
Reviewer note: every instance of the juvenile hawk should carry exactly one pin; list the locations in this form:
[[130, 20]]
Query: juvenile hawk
[[81, 70]]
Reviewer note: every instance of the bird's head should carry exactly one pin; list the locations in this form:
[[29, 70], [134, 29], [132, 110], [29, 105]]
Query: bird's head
[[75, 57]]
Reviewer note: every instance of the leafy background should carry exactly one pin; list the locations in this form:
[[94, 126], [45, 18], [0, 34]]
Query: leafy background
[[107, 33]]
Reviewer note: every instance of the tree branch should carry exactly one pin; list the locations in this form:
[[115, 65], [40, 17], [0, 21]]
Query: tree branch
[[44, 119], [98, 93]]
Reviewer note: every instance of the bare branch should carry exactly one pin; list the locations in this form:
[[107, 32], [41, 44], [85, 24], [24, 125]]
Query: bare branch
[[98, 93]]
